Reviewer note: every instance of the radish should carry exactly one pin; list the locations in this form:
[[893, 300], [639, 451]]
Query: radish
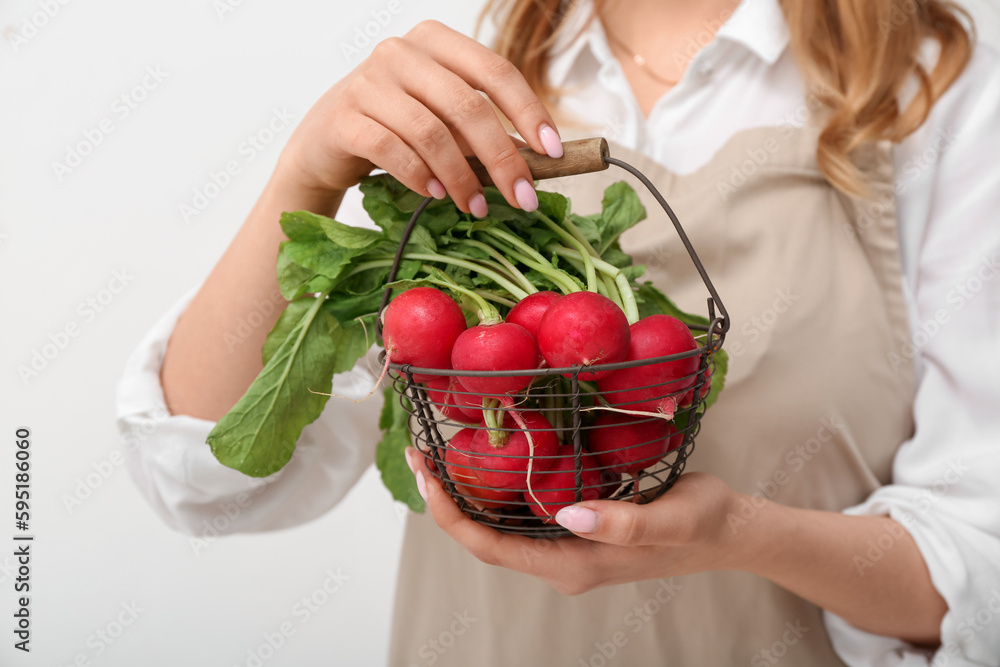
[[462, 471], [529, 311], [583, 328], [656, 387], [505, 465], [495, 347], [556, 488], [628, 444], [419, 327], [440, 391]]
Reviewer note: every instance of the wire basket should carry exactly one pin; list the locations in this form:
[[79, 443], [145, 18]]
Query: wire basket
[[569, 404]]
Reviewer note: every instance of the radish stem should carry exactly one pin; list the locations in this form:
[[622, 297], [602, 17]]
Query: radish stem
[[582, 249]]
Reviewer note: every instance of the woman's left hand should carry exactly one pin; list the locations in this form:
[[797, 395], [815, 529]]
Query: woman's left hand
[[683, 532]]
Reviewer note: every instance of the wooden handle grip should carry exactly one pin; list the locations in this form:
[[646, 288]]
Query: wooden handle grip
[[579, 157]]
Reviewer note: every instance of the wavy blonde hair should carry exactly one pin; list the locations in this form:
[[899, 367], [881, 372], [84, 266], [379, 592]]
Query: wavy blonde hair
[[855, 56]]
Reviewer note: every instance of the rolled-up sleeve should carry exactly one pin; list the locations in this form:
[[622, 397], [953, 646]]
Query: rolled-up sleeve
[[175, 471], [945, 489]]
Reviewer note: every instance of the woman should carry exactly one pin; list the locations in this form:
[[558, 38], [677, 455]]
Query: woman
[[845, 509]]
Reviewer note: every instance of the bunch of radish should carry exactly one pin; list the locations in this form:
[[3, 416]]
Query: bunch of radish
[[509, 453]]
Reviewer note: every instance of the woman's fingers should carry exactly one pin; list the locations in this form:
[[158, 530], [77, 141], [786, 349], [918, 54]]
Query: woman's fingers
[[496, 76]]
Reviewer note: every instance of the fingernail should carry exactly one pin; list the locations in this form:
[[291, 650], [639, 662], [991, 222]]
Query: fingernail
[[422, 486], [408, 453], [525, 195], [577, 519], [436, 189], [550, 141], [478, 206]]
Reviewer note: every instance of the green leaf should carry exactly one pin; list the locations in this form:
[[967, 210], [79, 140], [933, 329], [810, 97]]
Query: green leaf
[[620, 209], [718, 380], [633, 272], [355, 238], [654, 301], [296, 280], [287, 322], [553, 205], [389, 456], [588, 228], [351, 339], [298, 227], [258, 435]]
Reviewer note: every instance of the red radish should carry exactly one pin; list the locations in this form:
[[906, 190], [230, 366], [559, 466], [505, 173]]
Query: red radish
[[440, 391], [583, 328], [705, 388], [556, 488], [506, 466], [495, 347], [628, 444], [419, 327], [462, 471], [656, 387], [529, 311]]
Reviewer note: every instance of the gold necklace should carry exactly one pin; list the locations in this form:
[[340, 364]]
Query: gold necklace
[[638, 59]]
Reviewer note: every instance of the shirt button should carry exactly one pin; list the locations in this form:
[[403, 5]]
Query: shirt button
[[706, 68]]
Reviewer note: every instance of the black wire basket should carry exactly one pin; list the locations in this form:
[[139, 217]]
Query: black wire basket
[[569, 404]]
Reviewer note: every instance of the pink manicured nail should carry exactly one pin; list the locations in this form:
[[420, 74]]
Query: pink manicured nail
[[577, 519], [422, 486], [478, 206], [408, 453], [525, 195], [436, 189], [550, 141]]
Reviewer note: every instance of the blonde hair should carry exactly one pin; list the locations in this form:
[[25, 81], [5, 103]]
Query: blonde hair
[[855, 56]]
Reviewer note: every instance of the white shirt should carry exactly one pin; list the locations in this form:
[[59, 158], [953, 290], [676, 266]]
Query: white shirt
[[946, 480]]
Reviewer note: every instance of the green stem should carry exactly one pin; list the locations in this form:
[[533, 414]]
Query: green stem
[[514, 290], [365, 266], [487, 314], [510, 268], [488, 263], [563, 281], [582, 248], [621, 282]]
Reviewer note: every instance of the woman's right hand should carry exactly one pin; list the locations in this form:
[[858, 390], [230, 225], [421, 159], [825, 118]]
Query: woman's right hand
[[413, 109]]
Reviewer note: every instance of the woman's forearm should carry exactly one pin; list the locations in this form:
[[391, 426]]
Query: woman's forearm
[[214, 352], [865, 569]]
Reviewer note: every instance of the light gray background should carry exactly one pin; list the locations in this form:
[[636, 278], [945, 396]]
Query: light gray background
[[61, 242]]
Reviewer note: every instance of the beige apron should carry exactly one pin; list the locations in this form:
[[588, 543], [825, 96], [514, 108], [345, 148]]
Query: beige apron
[[814, 409]]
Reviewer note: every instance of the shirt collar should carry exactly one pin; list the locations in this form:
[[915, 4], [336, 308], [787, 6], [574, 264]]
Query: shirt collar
[[757, 25]]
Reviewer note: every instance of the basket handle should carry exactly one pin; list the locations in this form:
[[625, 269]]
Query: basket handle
[[582, 156]]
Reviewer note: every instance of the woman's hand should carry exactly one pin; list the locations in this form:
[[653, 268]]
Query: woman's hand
[[700, 524], [413, 109], [683, 532]]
